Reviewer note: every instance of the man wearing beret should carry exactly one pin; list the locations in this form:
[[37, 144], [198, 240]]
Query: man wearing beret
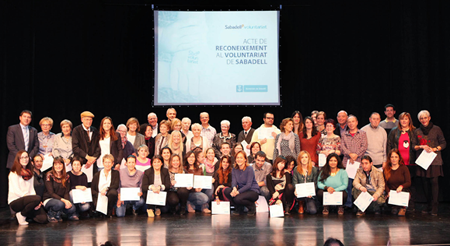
[[85, 140]]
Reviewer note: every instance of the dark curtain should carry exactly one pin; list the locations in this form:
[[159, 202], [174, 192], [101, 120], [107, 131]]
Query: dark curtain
[[61, 58]]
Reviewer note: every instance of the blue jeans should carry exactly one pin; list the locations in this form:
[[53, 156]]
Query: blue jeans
[[209, 193], [120, 211], [55, 205], [79, 206], [349, 202], [197, 199]]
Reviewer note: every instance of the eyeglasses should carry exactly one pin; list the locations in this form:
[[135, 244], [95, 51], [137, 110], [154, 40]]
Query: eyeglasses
[[24, 157]]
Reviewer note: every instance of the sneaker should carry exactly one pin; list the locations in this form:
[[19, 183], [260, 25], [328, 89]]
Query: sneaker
[[74, 218], [150, 213], [360, 213], [21, 219], [325, 211], [157, 212], [190, 208], [341, 210], [402, 212]]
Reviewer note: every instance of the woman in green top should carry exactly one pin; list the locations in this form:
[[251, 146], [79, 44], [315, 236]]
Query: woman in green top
[[332, 178], [305, 172]]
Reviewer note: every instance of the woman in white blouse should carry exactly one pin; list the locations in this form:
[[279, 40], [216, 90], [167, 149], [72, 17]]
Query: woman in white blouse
[[22, 198], [105, 184], [63, 143], [110, 142]]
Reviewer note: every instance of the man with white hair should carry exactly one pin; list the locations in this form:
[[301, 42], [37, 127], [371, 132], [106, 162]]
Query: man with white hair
[[153, 121], [185, 126], [376, 140], [126, 145], [341, 127], [247, 133], [208, 131], [223, 136]]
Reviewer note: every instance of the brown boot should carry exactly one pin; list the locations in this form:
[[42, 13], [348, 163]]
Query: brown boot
[[402, 212], [301, 209]]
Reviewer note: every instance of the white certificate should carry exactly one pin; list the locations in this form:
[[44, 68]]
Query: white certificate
[[88, 171], [130, 194], [156, 199], [332, 199], [399, 199], [184, 180], [322, 160], [102, 204], [244, 145], [305, 189], [363, 201], [265, 132], [261, 205], [203, 182], [48, 163], [68, 167], [222, 208], [276, 210], [425, 159], [351, 169], [80, 196], [142, 168]]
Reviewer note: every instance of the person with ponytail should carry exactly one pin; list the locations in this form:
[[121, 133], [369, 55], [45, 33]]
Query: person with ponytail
[[22, 198]]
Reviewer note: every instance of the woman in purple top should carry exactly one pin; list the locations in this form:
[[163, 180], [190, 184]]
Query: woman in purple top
[[244, 189]]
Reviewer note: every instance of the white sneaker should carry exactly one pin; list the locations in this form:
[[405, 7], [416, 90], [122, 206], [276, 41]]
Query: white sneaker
[[21, 219]]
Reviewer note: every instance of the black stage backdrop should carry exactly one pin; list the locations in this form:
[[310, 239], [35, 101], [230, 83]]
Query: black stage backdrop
[[59, 58]]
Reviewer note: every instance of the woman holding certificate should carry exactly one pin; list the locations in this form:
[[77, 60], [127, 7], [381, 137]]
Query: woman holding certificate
[[431, 139], [176, 195], [222, 178], [287, 142], [332, 178], [305, 172], [78, 180], [244, 189], [56, 196], [280, 185], [397, 178], [105, 183], [130, 177], [156, 179], [22, 198], [197, 199]]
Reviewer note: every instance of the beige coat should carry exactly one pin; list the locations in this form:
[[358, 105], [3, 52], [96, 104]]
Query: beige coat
[[377, 180]]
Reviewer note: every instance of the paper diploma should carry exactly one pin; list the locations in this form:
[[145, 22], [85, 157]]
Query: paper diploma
[[322, 160], [244, 146], [88, 172], [265, 132], [80, 196], [203, 182], [363, 201], [222, 208], [332, 199], [352, 168], [399, 199], [48, 163], [276, 210], [261, 205], [142, 168], [102, 204], [130, 194], [305, 189], [156, 199], [184, 180], [425, 159]]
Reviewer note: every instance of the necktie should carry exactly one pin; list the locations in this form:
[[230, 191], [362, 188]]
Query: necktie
[[26, 137], [89, 136], [245, 134]]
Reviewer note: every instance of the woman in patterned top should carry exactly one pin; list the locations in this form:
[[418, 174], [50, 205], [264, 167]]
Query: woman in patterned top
[[329, 143], [287, 142]]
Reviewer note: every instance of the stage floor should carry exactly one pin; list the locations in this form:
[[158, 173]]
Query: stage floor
[[200, 229]]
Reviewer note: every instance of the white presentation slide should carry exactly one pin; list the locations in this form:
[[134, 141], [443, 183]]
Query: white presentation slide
[[216, 58]]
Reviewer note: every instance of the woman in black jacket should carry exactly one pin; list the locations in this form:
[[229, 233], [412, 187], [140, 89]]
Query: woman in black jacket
[[280, 185], [156, 179], [105, 183]]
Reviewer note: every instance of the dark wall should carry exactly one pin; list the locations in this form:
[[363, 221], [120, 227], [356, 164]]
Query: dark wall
[[61, 58]]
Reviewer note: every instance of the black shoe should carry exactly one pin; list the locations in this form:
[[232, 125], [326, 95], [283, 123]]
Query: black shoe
[[252, 210]]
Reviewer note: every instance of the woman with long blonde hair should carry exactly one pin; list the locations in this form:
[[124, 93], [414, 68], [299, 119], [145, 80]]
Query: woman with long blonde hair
[[305, 172]]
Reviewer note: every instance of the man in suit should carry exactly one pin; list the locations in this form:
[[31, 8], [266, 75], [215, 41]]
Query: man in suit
[[247, 133], [85, 140], [22, 136]]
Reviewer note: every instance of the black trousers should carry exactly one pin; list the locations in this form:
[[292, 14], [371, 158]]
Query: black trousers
[[247, 198], [25, 205], [178, 197]]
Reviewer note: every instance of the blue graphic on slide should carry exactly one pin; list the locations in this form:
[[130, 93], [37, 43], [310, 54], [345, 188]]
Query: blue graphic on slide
[[216, 58]]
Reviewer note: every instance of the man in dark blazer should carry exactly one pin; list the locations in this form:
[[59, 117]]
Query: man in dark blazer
[[248, 131], [341, 127], [85, 140], [22, 136]]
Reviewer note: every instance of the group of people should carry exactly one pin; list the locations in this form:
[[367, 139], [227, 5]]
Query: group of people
[[267, 161]]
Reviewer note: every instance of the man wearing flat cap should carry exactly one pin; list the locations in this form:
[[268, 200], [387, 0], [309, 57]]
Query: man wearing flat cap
[[85, 140]]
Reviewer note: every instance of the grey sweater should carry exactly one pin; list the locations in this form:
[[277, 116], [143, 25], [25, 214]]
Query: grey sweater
[[130, 181]]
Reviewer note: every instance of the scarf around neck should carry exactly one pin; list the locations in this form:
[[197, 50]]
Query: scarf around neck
[[426, 129]]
